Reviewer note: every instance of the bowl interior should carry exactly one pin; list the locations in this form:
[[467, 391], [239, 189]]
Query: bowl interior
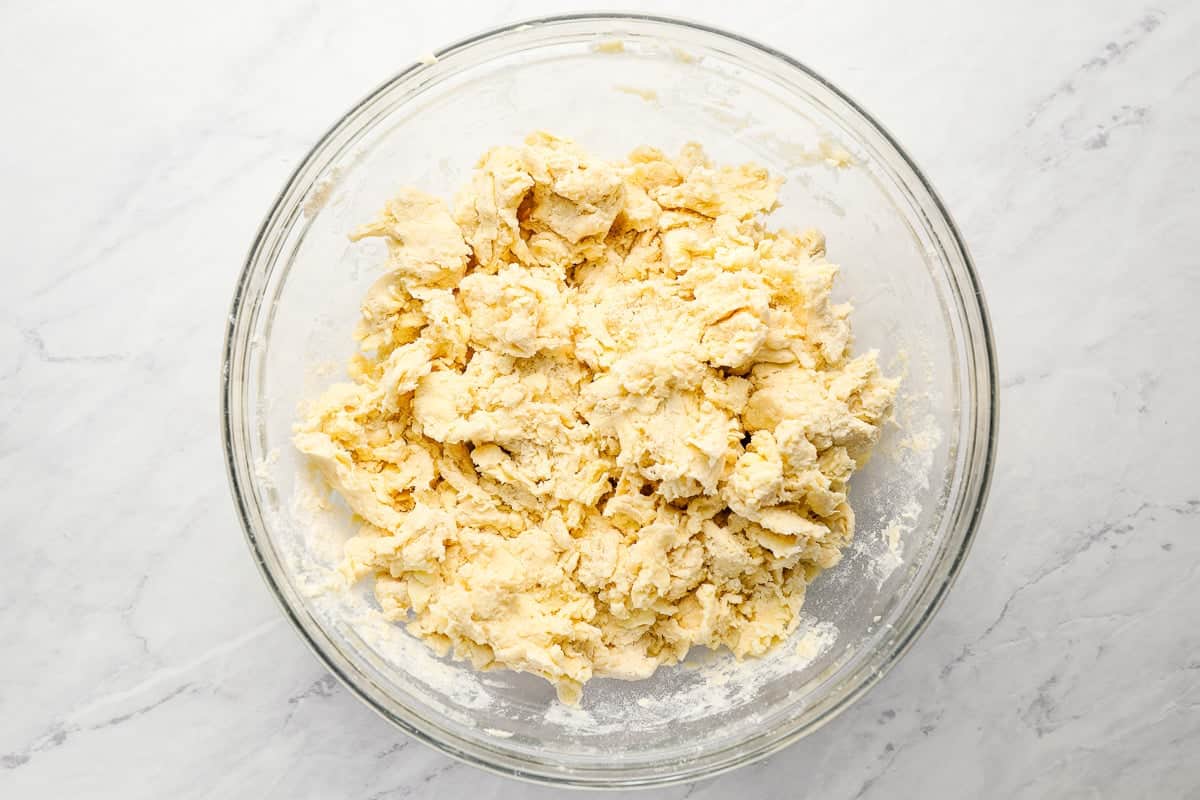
[[666, 84]]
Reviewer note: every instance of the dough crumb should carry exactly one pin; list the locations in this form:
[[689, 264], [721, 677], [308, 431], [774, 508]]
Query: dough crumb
[[649, 95], [610, 46], [683, 56], [600, 414]]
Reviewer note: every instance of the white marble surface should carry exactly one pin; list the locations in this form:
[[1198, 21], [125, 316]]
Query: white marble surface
[[141, 656]]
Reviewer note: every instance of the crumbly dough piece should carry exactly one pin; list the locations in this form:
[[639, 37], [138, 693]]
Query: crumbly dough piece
[[600, 414]]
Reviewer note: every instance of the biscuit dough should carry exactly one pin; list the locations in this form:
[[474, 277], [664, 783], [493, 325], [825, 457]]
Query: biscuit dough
[[600, 414]]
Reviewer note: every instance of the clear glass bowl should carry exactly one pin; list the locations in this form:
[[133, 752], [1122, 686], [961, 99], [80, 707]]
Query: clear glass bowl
[[613, 82]]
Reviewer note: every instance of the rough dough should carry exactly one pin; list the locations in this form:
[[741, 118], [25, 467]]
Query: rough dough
[[600, 414]]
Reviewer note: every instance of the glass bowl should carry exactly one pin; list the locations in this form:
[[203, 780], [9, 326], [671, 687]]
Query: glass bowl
[[613, 82]]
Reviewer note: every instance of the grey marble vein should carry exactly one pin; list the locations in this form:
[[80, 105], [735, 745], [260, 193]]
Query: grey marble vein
[[142, 656]]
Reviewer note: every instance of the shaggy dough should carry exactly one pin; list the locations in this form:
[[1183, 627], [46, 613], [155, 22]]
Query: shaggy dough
[[600, 414]]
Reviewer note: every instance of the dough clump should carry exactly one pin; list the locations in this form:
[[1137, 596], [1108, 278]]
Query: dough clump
[[600, 414]]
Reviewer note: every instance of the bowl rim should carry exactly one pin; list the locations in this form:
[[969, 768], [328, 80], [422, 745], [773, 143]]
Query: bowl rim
[[985, 435]]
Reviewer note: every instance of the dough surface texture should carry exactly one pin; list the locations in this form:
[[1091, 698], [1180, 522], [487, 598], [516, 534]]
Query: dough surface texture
[[599, 414]]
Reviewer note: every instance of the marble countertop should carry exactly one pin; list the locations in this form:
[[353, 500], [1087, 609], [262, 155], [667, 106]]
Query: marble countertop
[[143, 656]]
